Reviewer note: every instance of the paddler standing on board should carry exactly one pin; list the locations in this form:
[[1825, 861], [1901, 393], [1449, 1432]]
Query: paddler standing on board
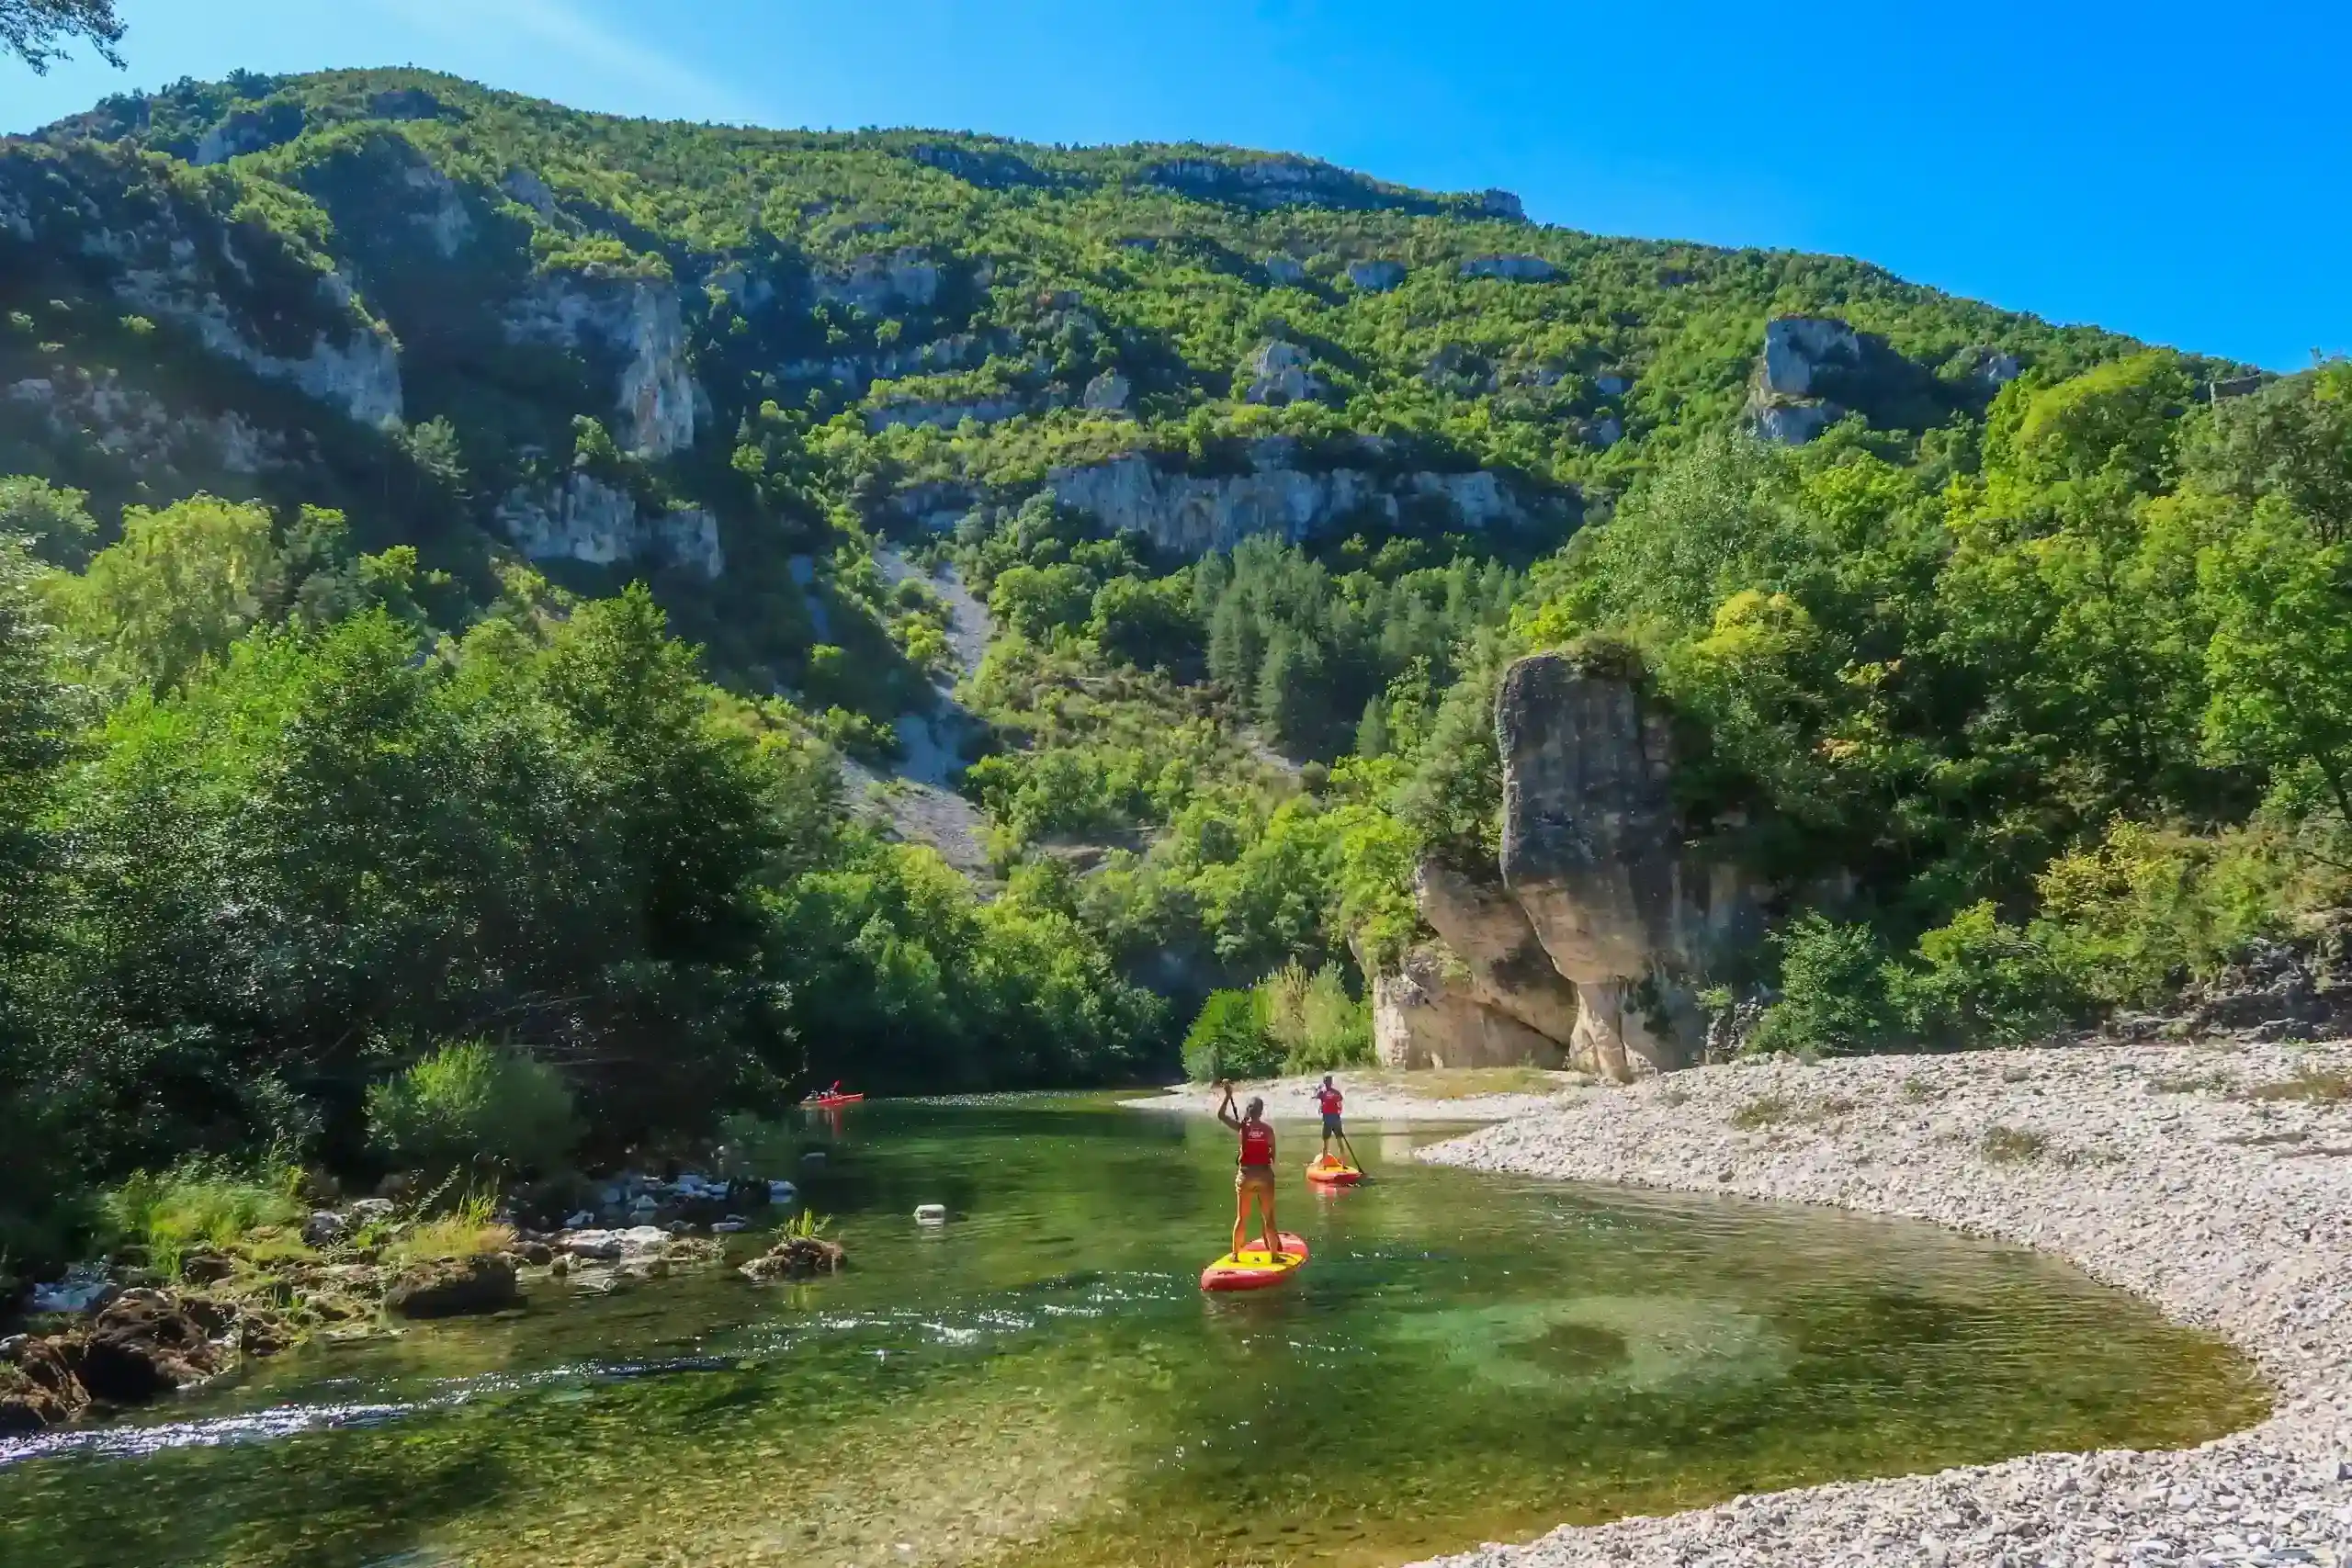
[[1253, 1179], [1327, 1102]]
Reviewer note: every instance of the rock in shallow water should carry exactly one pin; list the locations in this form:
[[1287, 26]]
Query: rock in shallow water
[[454, 1287]]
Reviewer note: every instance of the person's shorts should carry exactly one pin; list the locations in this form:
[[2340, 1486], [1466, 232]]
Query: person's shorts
[[1331, 1124], [1260, 1175]]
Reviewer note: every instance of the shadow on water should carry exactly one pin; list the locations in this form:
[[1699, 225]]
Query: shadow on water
[[1041, 1381]]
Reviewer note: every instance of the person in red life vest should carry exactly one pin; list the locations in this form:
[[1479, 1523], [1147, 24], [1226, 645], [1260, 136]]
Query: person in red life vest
[[1327, 1101], [1253, 1182]]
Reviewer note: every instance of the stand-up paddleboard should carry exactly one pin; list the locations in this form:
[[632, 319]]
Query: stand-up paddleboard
[[827, 1101], [1253, 1269], [1328, 1170]]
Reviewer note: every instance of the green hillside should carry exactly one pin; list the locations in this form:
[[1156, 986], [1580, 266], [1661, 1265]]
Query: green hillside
[[2004, 657]]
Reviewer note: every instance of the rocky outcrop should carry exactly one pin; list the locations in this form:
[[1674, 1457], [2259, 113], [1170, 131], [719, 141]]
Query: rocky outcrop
[[1284, 270], [1799, 350], [141, 1344], [454, 1287], [987, 168], [1427, 1014], [1511, 269], [1503, 204], [1193, 514], [1375, 276], [135, 428], [1594, 853], [655, 400], [1108, 393], [1278, 373], [248, 131], [981, 410], [587, 520], [875, 283], [1263, 182], [1506, 968], [355, 367]]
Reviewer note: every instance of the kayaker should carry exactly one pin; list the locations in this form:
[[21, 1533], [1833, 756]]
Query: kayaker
[[1327, 1101], [1253, 1178]]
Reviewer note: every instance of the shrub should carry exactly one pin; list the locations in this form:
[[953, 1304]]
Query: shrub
[[475, 1104], [2147, 909], [1318, 1026], [1980, 982], [199, 1206], [1230, 1040], [1833, 991]]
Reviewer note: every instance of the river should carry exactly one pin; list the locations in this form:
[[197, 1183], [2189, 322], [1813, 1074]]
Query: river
[[1041, 1381]]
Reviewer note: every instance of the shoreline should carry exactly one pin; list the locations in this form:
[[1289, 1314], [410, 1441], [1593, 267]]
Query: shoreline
[[2214, 1181], [1368, 1099]]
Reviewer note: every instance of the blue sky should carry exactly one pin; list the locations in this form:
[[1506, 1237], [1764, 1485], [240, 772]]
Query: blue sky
[[2182, 172]]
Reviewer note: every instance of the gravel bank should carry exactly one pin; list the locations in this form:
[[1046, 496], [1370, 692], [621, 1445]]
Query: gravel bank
[[1294, 1100], [2170, 1171]]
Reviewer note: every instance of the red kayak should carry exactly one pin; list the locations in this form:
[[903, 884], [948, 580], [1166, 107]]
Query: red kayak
[[827, 1101], [1253, 1269]]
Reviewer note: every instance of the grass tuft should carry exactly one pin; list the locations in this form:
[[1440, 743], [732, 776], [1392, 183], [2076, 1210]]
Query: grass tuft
[[2013, 1146]]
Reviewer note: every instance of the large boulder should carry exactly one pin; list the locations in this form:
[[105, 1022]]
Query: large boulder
[[1596, 854], [1427, 1014], [455, 1287]]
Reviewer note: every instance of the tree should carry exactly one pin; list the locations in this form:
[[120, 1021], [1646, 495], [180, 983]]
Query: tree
[[2281, 603], [183, 583], [31, 29]]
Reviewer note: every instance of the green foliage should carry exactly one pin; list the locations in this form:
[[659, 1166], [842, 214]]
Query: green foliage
[[1319, 1026], [1833, 991], [1977, 981], [54, 522], [1230, 1040], [475, 1105]]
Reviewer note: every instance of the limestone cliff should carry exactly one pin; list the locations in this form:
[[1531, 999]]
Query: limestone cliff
[[1193, 513], [635, 324], [1605, 914], [587, 520], [1427, 1015]]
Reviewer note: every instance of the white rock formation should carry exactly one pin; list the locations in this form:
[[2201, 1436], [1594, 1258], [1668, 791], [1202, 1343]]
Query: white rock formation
[[875, 283], [1375, 276], [587, 520], [1511, 269], [1286, 270], [1279, 374], [655, 400], [1108, 393], [1798, 349], [982, 411], [1427, 1015], [1195, 514]]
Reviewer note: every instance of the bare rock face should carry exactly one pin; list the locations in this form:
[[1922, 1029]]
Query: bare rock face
[[1804, 357], [1509, 972], [1427, 1015], [1280, 373], [1375, 276], [1510, 269], [1193, 513], [1593, 851], [656, 402], [587, 520]]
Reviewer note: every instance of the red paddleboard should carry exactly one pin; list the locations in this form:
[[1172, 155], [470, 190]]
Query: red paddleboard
[[824, 1101], [1253, 1269], [1333, 1173]]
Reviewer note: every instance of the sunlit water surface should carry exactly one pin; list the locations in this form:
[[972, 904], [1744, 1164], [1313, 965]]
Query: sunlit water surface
[[1467, 1358]]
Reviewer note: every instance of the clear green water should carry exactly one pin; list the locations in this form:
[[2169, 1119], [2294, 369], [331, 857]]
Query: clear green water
[[1465, 1359]]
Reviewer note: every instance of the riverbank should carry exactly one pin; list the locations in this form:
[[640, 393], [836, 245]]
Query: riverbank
[[2216, 1182], [1495, 1094]]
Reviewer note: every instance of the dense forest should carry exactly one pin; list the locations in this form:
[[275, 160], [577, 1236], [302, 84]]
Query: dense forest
[[450, 687]]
